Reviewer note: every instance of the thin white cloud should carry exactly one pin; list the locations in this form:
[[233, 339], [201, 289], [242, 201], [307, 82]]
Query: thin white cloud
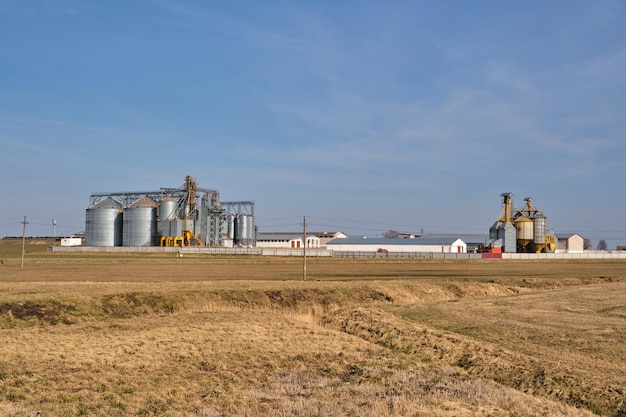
[[200, 18], [50, 7]]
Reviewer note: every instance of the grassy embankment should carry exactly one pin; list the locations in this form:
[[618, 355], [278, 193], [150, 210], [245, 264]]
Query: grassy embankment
[[209, 336]]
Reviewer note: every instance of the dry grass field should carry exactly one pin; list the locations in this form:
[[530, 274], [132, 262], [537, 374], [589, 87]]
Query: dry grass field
[[155, 335]]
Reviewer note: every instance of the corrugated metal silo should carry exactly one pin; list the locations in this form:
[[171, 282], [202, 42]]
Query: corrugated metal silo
[[540, 228], [230, 226], [524, 227], [167, 212], [140, 223], [244, 229], [103, 224], [167, 208]]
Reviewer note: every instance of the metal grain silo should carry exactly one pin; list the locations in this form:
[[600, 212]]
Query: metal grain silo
[[524, 227], [140, 223], [167, 213], [103, 224], [244, 229], [167, 208], [230, 226], [540, 229]]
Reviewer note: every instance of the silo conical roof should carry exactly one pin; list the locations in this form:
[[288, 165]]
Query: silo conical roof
[[144, 202], [107, 203]]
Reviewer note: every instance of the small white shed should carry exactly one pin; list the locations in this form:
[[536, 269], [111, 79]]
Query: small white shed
[[569, 243], [71, 241]]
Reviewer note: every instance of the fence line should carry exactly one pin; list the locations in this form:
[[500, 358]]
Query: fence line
[[158, 249], [583, 255], [337, 254], [314, 253], [406, 255]]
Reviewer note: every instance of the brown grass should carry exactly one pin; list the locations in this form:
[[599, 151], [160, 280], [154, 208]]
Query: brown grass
[[245, 336]]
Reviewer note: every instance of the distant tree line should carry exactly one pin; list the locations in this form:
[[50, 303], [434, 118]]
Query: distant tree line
[[602, 245]]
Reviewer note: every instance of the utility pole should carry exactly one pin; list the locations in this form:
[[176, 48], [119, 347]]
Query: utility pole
[[304, 250], [24, 223]]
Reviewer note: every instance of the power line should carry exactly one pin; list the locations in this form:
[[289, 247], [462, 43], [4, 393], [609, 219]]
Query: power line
[[24, 223], [304, 249]]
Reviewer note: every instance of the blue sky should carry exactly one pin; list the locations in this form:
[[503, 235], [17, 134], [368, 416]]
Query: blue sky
[[363, 116]]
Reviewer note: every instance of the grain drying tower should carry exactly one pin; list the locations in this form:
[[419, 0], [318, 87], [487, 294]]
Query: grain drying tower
[[521, 230], [184, 216]]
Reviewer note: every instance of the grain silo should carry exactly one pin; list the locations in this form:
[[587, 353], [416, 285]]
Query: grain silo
[[183, 216], [229, 221], [103, 223], [168, 207], [525, 231], [140, 223], [503, 229], [244, 230], [522, 230]]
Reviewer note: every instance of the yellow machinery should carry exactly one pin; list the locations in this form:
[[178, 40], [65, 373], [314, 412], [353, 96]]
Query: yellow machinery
[[187, 239], [548, 245]]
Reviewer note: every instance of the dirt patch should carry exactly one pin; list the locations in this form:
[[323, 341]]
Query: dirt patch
[[47, 311], [53, 311]]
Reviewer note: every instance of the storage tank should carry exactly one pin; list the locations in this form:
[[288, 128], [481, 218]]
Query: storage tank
[[167, 212], [540, 228], [167, 208], [244, 229], [524, 227], [230, 226], [140, 223], [103, 224]]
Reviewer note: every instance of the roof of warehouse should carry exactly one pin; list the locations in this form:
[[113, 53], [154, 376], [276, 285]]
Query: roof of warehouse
[[283, 236], [394, 241], [565, 235], [465, 237], [319, 234]]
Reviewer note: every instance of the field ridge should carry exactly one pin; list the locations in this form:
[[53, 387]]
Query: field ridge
[[480, 359], [246, 336]]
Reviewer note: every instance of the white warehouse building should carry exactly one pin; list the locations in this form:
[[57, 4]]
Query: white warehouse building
[[425, 244], [285, 240], [293, 240]]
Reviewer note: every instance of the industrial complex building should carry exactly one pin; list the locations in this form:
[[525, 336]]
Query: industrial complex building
[[516, 231], [521, 231], [183, 216], [190, 216]]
